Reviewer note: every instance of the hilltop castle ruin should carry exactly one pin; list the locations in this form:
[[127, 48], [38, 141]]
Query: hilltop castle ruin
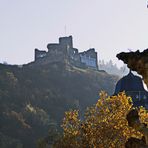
[[64, 51]]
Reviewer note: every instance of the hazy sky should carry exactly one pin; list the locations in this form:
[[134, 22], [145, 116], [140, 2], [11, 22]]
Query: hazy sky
[[110, 26]]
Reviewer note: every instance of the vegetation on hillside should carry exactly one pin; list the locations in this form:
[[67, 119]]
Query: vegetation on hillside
[[112, 68], [34, 99], [105, 125]]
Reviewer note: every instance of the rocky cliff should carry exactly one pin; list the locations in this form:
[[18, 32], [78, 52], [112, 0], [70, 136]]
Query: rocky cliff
[[136, 61]]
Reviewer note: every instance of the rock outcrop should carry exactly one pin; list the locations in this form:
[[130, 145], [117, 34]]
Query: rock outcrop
[[136, 61], [133, 121]]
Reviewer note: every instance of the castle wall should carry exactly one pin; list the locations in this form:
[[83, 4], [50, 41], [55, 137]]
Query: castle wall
[[73, 54], [64, 50], [39, 54], [59, 57], [89, 57], [52, 47], [88, 61]]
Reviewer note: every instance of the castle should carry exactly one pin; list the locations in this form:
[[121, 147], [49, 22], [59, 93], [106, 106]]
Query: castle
[[64, 51]]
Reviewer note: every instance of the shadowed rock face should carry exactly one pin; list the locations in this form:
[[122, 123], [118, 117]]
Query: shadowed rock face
[[136, 61], [133, 121]]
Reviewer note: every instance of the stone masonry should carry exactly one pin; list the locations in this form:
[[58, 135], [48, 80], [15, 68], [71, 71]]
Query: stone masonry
[[64, 50]]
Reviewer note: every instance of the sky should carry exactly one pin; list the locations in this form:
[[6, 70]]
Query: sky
[[109, 26]]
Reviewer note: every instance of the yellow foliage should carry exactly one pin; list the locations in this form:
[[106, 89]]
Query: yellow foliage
[[143, 115], [104, 124]]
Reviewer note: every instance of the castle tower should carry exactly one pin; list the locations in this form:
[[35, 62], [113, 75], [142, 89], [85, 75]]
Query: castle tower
[[66, 42]]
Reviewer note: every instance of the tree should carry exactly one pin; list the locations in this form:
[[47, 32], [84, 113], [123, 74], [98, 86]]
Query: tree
[[104, 125]]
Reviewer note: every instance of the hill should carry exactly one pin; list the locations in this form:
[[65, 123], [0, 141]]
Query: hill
[[34, 98]]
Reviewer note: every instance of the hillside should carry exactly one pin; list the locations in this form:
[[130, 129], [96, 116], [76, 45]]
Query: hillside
[[34, 98]]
